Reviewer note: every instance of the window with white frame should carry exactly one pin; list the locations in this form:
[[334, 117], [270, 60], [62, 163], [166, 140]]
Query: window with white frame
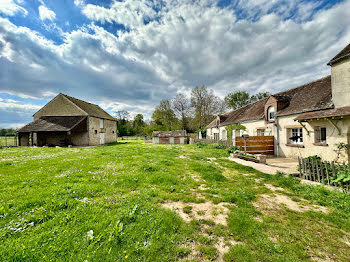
[[320, 135], [296, 136], [271, 113], [261, 132]]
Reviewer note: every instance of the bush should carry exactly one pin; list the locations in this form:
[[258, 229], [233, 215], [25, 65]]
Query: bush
[[219, 146], [201, 144], [233, 149]]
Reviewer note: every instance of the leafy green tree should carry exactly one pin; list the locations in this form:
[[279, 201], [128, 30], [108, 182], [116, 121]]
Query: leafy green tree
[[241, 98], [164, 116], [182, 107]]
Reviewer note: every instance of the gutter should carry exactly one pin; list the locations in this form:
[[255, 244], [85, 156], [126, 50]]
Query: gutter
[[332, 62]]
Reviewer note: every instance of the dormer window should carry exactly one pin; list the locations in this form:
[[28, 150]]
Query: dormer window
[[271, 113]]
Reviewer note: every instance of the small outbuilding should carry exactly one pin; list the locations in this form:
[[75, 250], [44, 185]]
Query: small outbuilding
[[170, 137], [65, 121]]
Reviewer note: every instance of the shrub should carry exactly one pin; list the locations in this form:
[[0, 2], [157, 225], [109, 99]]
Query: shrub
[[219, 146], [201, 144], [233, 149]]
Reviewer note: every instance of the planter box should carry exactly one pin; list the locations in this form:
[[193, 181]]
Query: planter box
[[258, 159]]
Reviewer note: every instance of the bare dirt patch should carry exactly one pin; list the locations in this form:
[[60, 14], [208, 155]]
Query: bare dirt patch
[[274, 188], [215, 212], [277, 201]]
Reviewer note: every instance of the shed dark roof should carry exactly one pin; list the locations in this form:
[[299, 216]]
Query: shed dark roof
[[341, 55], [90, 109], [335, 112], [316, 95], [177, 133], [52, 124]]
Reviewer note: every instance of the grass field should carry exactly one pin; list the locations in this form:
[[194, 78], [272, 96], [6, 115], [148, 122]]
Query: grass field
[[141, 202], [7, 141]]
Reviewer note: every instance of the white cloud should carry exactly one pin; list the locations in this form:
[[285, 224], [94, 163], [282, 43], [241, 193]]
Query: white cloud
[[185, 43], [131, 13], [11, 7], [14, 105], [79, 2], [46, 13]]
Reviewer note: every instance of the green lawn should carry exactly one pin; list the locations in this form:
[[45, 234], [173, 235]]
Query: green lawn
[[111, 204]]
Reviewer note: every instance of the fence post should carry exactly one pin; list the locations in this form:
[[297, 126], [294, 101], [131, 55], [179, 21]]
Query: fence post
[[300, 166], [333, 169], [327, 173], [322, 175], [318, 171]]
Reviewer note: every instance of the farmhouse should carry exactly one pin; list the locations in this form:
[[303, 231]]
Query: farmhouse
[[170, 137], [311, 119], [69, 121]]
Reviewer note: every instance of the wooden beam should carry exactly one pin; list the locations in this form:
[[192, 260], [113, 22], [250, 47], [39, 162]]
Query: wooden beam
[[307, 131], [333, 124]]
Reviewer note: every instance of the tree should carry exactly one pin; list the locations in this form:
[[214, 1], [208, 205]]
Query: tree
[[241, 98], [259, 96], [206, 105], [181, 106], [164, 115], [237, 99], [139, 124]]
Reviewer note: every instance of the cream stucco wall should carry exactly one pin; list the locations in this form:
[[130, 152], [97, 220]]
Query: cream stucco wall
[[281, 130], [341, 83], [309, 148], [109, 127], [59, 106]]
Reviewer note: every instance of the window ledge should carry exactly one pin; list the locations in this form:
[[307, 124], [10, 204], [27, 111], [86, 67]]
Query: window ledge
[[295, 145], [320, 144]]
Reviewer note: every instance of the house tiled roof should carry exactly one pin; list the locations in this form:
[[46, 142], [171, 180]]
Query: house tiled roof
[[52, 124], [312, 96], [176, 133], [341, 55], [90, 109], [335, 112], [251, 111], [316, 95]]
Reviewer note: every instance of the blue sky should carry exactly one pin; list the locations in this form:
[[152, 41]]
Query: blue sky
[[130, 54]]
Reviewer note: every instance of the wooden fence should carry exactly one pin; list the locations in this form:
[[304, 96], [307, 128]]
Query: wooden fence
[[8, 141], [324, 172], [257, 144], [135, 138]]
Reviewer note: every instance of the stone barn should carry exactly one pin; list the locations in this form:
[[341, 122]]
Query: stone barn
[[170, 137], [67, 121]]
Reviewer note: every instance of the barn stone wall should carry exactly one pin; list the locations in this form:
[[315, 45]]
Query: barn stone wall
[[109, 129], [59, 106]]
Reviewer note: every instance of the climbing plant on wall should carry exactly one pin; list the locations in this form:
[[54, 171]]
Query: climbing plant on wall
[[230, 129]]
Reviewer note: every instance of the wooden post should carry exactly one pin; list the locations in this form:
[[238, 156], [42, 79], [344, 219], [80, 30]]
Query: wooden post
[[318, 171], [333, 169], [300, 167], [327, 173], [322, 175], [312, 170]]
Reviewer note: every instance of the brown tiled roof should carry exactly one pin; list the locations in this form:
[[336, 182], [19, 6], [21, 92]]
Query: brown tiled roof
[[53, 124], [335, 112], [223, 118], [316, 95], [309, 97], [251, 111], [177, 133], [90, 109], [341, 55]]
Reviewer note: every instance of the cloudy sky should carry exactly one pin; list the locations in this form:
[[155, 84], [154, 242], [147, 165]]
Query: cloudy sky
[[130, 54]]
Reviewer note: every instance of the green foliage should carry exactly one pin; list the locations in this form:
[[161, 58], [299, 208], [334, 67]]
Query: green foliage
[[233, 149], [187, 209], [241, 98], [230, 128], [105, 203], [220, 146]]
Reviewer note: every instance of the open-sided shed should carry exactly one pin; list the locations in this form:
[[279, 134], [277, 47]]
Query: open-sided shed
[[170, 137]]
